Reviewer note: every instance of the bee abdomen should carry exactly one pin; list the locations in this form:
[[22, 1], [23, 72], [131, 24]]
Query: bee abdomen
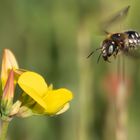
[[133, 38]]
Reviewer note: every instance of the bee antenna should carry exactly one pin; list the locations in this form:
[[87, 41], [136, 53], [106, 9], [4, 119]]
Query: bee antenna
[[93, 52], [99, 57]]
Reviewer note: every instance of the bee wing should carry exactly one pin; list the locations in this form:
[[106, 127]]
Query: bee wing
[[117, 17], [135, 54]]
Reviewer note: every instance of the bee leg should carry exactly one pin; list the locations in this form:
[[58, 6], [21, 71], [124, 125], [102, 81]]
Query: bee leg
[[114, 56], [126, 51], [108, 61], [115, 53]]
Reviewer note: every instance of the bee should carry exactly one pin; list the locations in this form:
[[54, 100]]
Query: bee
[[118, 42]]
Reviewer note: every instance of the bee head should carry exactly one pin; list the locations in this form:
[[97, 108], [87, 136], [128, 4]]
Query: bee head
[[108, 49]]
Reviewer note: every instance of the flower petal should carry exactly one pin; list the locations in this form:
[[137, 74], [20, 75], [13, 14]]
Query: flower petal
[[34, 85], [56, 100]]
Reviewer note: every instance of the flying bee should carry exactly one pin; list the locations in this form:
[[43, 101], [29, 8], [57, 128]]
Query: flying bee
[[118, 42]]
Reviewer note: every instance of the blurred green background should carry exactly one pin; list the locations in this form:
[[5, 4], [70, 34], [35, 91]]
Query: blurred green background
[[53, 38]]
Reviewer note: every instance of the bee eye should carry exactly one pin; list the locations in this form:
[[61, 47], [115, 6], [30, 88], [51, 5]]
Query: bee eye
[[110, 49]]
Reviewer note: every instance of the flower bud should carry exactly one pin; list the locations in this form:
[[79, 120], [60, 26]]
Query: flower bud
[[24, 112], [8, 94], [8, 62], [15, 108]]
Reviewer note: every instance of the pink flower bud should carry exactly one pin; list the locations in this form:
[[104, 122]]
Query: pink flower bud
[[8, 94]]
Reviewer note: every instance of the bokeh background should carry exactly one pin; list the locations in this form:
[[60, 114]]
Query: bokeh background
[[53, 38]]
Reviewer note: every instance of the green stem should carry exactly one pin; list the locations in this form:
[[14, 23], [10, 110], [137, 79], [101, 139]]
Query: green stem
[[4, 129]]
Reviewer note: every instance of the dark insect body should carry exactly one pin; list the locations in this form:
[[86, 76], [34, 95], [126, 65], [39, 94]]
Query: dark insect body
[[118, 42]]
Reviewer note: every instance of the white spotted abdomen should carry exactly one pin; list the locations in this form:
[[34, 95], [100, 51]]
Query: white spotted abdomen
[[133, 38]]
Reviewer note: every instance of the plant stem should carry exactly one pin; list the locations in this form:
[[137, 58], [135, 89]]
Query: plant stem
[[4, 130], [85, 83], [121, 113]]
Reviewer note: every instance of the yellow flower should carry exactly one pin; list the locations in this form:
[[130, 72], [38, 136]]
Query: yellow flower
[[37, 99], [52, 102]]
